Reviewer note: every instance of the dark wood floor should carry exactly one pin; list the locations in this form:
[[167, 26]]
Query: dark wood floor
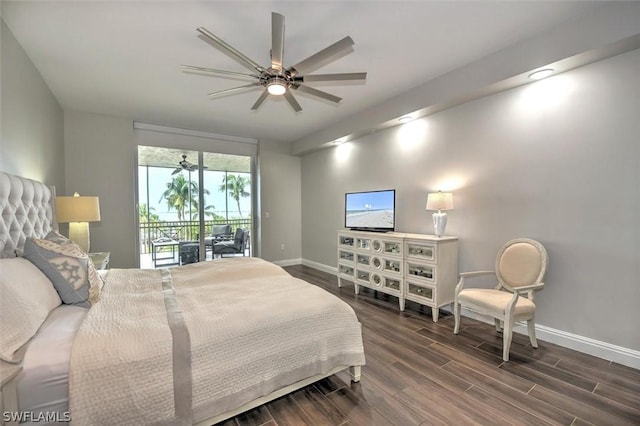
[[420, 373]]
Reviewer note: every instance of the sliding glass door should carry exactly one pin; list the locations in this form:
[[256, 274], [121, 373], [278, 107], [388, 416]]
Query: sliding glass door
[[186, 199]]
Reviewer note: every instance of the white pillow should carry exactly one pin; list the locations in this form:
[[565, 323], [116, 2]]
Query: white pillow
[[26, 298]]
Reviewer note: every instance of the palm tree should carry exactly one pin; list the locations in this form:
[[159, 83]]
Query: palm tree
[[145, 212], [208, 211], [235, 185], [180, 194]]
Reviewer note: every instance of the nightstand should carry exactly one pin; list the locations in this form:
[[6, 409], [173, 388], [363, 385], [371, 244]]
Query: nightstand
[[100, 260], [8, 391]]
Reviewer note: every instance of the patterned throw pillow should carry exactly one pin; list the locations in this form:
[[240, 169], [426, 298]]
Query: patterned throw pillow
[[68, 267], [58, 238]]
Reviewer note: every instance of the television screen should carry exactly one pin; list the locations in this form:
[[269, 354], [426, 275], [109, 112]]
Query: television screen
[[370, 211]]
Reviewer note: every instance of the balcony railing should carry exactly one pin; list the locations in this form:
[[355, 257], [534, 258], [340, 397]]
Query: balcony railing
[[182, 230]]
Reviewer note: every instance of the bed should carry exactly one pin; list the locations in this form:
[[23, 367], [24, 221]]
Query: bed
[[188, 345]]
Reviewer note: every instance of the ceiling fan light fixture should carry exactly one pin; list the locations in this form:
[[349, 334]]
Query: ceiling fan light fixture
[[276, 79], [276, 87]]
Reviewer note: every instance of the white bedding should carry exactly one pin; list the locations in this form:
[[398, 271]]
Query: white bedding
[[253, 329], [43, 382]]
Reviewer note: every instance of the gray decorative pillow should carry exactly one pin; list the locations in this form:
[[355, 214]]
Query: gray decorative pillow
[[69, 269]]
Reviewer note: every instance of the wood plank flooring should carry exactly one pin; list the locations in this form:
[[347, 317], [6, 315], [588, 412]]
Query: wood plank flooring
[[419, 373]]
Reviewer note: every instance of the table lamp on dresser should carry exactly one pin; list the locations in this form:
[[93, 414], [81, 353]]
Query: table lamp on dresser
[[439, 201]]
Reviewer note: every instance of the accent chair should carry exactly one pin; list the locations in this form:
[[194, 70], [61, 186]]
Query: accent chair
[[520, 267]]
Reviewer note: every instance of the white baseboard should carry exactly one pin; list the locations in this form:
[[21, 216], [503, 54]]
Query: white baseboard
[[322, 267], [608, 351], [288, 262], [587, 345]]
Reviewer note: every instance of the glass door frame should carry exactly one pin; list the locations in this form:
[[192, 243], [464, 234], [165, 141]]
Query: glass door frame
[[253, 246]]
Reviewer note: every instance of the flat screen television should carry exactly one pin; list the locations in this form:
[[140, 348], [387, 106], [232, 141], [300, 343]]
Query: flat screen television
[[370, 211]]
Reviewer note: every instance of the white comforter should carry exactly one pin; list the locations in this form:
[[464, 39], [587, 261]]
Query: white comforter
[[253, 329]]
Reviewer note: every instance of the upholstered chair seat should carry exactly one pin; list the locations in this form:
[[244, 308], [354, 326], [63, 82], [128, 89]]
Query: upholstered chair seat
[[494, 300], [519, 268]]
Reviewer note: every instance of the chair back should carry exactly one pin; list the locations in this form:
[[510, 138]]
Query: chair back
[[521, 262], [218, 230], [238, 239]]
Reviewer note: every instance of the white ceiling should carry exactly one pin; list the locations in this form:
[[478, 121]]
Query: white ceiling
[[122, 58]]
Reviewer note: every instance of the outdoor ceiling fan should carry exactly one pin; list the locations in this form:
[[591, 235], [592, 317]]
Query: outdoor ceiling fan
[[277, 80], [186, 165]]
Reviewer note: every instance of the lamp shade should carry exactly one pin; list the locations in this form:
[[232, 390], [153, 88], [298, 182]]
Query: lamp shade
[[440, 201], [77, 209]]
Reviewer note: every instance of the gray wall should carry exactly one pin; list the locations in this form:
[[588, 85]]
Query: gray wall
[[99, 157], [32, 128], [280, 210], [557, 160]]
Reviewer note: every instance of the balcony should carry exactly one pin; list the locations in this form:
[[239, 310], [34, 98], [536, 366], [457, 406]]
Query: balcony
[[176, 232]]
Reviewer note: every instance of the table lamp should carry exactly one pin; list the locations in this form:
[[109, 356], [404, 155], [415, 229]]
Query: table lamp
[[77, 211], [439, 201]]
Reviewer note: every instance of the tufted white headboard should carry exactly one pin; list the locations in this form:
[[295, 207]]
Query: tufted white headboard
[[27, 209]]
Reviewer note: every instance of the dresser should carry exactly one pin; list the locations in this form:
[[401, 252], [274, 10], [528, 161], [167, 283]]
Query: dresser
[[416, 267]]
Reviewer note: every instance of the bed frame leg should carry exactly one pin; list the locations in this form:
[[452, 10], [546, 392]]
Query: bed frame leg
[[354, 371]]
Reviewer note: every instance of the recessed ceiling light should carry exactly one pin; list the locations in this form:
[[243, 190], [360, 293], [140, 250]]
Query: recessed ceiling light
[[405, 119], [540, 74], [339, 141]]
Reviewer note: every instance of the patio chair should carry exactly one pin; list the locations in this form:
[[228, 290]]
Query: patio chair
[[218, 233], [235, 246]]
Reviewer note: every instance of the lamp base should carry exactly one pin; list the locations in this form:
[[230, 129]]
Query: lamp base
[[439, 223], [79, 234]]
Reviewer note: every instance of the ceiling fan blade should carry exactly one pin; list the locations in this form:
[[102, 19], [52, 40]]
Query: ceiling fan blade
[[318, 93], [292, 101], [178, 170], [230, 50], [333, 77], [277, 40], [214, 71], [312, 61], [260, 100], [235, 89]]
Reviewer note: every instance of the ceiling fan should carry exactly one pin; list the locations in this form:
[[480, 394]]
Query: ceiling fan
[[276, 79], [186, 165]]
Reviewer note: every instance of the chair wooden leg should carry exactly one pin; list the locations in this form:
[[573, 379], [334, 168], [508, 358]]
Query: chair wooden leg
[[456, 316], [506, 338], [531, 326], [498, 325]]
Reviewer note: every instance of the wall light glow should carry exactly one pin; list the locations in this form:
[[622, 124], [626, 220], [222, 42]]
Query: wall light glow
[[412, 134], [450, 183], [342, 152], [544, 96]]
